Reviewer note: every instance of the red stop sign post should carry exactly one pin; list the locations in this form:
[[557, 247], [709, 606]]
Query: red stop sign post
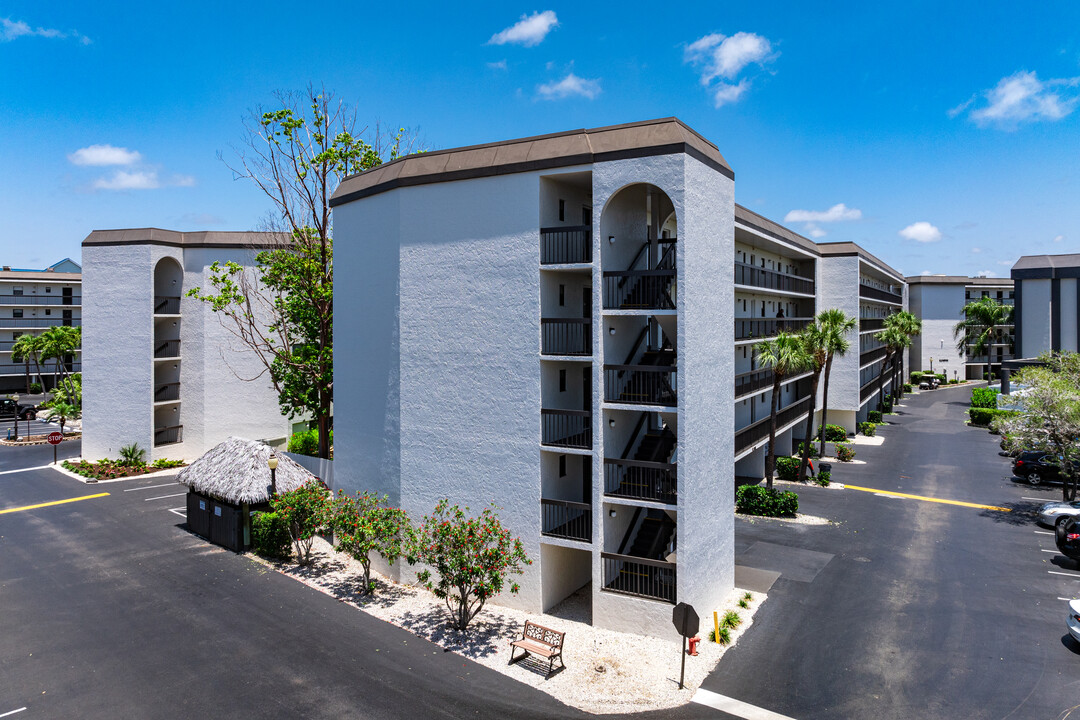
[[54, 439]]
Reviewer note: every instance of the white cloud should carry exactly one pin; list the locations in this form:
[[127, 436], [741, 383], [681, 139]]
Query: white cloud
[[124, 180], [569, 86], [926, 273], [1059, 238], [976, 250], [1022, 97], [98, 155], [719, 57], [14, 29], [836, 213], [501, 65], [1006, 263], [922, 232], [814, 231], [530, 30], [986, 273]]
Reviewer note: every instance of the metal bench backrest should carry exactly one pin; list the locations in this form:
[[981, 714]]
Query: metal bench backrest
[[541, 634]]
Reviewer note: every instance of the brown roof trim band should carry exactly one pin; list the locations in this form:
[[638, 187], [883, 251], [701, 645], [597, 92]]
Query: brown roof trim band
[[777, 236], [534, 165], [167, 243]]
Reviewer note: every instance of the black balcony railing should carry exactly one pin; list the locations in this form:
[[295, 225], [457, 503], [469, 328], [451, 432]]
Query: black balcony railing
[[753, 381], [40, 300], [874, 355], [759, 430], [33, 322], [640, 384], [874, 293], [640, 577], [570, 520], [566, 336], [866, 324], [566, 245], [167, 349], [757, 328], [166, 391], [166, 305], [641, 480], [870, 388], [168, 435], [639, 289], [746, 274], [566, 428]]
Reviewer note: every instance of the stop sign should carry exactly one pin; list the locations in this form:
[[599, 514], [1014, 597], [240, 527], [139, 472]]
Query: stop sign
[[55, 438], [685, 620]]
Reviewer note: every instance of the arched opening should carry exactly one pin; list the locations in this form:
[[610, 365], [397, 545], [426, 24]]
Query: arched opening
[[639, 231]]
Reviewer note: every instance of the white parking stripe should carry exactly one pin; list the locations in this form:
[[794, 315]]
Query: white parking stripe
[[151, 487], [9, 472], [1027, 498], [176, 511], [162, 497], [1053, 551], [1067, 599], [1043, 532], [12, 712], [1072, 575], [735, 707]]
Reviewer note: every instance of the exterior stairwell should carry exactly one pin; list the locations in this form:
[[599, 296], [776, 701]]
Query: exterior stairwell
[[642, 570], [645, 471]]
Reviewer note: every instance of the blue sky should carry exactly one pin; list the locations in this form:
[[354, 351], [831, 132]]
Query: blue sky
[[942, 137]]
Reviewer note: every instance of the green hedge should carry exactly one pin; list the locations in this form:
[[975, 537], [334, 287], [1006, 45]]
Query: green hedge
[[834, 433], [270, 536], [307, 442], [984, 398], [868, 428], [787, 468], [35, 388], [813, 450], [907, 387], [873, 416], [983, 416], [758, 500]]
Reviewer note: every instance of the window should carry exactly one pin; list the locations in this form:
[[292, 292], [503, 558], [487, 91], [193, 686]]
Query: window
[[48, 311], [562, 210], [562, 381], [562, 466], [16, 291], [16, 313], [48, 289], [562, 295]]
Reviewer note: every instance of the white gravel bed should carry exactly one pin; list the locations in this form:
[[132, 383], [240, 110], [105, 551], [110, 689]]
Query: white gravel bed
[[606, 672], [874, 440], [800, 519], [830, 459]]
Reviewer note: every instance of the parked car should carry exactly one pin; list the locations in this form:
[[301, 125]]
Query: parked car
[[1036, 467], [1067, 535], [1051, 514], [1073, 621], [9, 410]]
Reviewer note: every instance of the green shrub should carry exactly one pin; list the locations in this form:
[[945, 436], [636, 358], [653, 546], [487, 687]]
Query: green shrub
[[954, 381], [845, 453], [916, 377], [163, 463], [270, 536], [823, 478], [834, 433], [731, 620], [744, 603], [305, 512], [874, 416], [35, 388], [758, 500], [908, 387], [886, 406], [724, 638], [787, 468], [982, 417], [868, 428], [132, 455], [984, 398], [813, 450]]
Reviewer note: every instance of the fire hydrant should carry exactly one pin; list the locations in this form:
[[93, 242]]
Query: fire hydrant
[[693, 646]]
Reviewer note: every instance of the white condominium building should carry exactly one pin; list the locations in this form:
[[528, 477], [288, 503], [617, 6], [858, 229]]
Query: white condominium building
[[1047, 304]]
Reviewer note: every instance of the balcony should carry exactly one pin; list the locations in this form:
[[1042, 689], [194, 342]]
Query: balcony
[[641, 480], [870, 356], [46, 369], [760, 328], [168, 435], [566, 245], [639, 577], [167, 349], [746, 274], [870, 388], [166, 305], [753, 381], [873, 293], [757, 431], [572, 336], [566, 428], [868, 324], [564, 519], [166, 392], [33, 322], [40, 300], [640, 385], [638, 290]]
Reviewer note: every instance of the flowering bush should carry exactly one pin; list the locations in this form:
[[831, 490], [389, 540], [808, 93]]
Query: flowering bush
[[845, 453], [471, 557], [363, 524], [306, 511]]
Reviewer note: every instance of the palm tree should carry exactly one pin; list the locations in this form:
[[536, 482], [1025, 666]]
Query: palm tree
[[28, 347], [909, 324], [986, 322], [786, 354], [815, 342], [62, 412], [895, 340], [835, 324], [59, 342]]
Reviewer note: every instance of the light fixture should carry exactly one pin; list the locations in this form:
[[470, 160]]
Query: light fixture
[[611, 330], [611, 513], [611, 422], [272, 462], [611, 239]]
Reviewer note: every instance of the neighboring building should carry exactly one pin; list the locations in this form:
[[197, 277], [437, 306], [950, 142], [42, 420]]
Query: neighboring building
[[544, 324], [1047, 313], [939, 300], [32, 301], [853, 383], [162, 370]]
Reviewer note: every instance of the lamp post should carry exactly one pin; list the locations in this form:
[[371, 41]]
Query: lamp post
[[931, 365], [271, 462]]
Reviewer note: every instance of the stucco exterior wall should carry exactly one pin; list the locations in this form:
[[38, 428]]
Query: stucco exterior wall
[[940, 308], [1035, 323], [1067, 310], [838, 283]]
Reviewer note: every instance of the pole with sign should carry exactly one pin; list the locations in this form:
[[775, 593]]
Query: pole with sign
[[54, 439], [686, 622]]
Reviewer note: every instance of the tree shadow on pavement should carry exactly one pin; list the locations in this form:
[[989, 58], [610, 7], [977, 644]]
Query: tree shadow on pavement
[[487, 632], [1017, 512]]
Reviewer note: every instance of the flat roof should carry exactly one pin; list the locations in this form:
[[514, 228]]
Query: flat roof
[[748, 217], [841, 249], [197, 239], [49, 275], [957, 280], [663, 136]]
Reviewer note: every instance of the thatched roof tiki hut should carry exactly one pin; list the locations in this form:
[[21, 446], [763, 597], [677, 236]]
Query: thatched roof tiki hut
[[230, 482]]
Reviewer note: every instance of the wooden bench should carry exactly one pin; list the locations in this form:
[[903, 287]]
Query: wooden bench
[[539, 640]]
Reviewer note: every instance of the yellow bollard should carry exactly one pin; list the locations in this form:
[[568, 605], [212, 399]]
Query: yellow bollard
[[716, 626]]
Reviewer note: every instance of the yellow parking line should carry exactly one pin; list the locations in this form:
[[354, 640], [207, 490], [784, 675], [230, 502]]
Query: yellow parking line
[[927, 499], [54, 502]]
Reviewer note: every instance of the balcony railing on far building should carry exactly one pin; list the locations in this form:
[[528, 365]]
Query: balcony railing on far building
[[168, 434], [40, 300], [566, 336], [746, 274], [873, 293], [166, 305], [641, 384], [759, 430], [758, 328], [566, 245], [566, 428], [565, 519], [641, 480]]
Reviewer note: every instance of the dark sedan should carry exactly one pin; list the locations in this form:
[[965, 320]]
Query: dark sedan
[[1036, 467], [1067, 535]]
